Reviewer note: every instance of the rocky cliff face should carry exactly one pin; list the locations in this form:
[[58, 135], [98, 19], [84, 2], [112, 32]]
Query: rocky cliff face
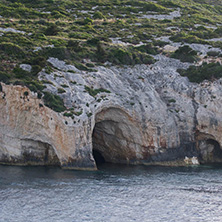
[[146, 115], [32, 134]]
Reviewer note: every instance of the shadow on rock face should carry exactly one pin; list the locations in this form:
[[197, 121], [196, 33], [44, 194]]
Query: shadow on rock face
[[98, 157], [210, 151], [116, 138]]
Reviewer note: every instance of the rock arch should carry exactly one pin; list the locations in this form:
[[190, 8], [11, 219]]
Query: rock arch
[[38, 153], [210, 150], [116, 137]]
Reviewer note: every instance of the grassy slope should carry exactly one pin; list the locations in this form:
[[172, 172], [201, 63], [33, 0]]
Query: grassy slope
[[82, 30]]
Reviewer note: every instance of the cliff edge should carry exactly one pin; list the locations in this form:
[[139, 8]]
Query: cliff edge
[[146, 114]]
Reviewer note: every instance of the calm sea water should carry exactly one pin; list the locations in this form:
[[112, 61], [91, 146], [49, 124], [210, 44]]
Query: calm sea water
[[114, 193]]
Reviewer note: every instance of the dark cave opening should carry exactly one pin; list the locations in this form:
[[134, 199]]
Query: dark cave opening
[[98, 157], [98, 145], [114, 138], [217, 151], [106, 143], [39, 153], [210, 151]]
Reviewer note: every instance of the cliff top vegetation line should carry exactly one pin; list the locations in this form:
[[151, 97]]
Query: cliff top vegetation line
[[87, 34]]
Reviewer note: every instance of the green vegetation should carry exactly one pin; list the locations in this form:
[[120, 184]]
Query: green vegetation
[[124, 56], [187, 38], [61, 90], [26, 93], [213, 53], [206, 71], [54, 102], [4, 77], [185, 54], [52, 29], [64, 86], [80, 31], [172, 101], [68, 114], [94, 92], [89, 114], [11, 49]]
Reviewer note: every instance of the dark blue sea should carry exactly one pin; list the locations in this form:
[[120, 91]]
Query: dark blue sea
[[114, 193]]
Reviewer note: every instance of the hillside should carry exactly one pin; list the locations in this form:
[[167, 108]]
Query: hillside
[[91, 33]]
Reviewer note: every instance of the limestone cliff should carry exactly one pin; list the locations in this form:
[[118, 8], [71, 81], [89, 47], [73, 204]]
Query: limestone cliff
[[33, 134], [146, 115]]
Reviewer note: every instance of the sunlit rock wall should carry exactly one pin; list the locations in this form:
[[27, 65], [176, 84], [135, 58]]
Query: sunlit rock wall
[[149, 115]]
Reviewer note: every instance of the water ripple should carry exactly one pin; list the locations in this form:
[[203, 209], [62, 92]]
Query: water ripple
[[115, 193]]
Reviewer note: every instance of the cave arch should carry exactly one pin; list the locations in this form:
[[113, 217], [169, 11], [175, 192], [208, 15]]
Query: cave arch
[[210, 151], [116, 137], [38, 153]]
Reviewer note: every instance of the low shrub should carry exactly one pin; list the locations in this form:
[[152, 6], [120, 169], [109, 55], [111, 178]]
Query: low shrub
[[39, 36], [94, 92], [64, 86], [183, 37], [98, 15], [20, 73], [121, 56], [12, 49], [58, 42], [101, 53], [127, 56], [52, 29], [34, 85], [4, 77], [90, 65], [147, 48], [61, 90], [36, 69], [79, 35], [68, 114], [213, 53], [74, 45], [185, 54], [80, 66], [93, 41], [206, 71], [54, 102], [218, 31], [58, 52], [38, 60]]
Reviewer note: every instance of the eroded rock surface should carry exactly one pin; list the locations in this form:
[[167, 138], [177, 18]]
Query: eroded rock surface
[[147, 115], [31, 133]]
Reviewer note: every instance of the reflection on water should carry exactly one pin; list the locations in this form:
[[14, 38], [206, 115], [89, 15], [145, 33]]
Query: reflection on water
[[114, 193]]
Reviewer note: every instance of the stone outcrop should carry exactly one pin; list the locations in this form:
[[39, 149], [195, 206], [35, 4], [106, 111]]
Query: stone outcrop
[[146, 115], [33, 134]]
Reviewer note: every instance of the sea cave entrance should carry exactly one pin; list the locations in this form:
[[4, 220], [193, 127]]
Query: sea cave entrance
[[107, 146], [210, 151], [98, 157], [39, 153], [114, 137]]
